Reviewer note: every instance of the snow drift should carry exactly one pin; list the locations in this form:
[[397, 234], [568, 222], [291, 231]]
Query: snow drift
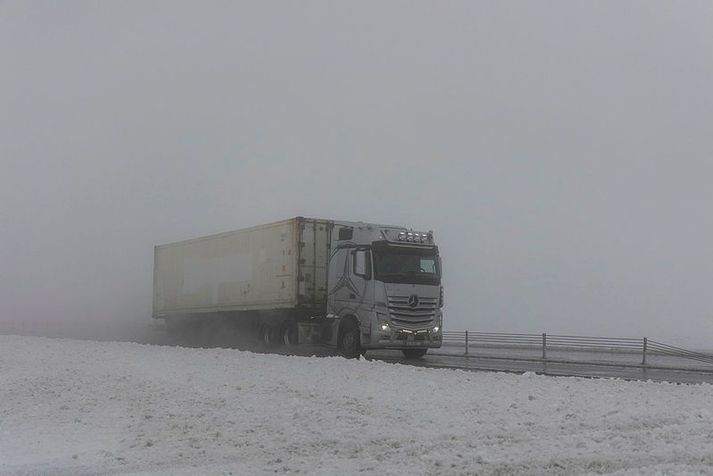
[[81, 407]]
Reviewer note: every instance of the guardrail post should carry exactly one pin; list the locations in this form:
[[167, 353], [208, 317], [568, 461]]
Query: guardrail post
[[646, 342], [466, 342], [544, 346]]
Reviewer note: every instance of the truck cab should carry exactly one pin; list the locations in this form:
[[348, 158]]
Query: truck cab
[[384, 289]]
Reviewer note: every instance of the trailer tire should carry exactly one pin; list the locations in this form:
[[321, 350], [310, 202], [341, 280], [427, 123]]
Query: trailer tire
[[269, 336], [350, 340], [413, 354], [288, 333]]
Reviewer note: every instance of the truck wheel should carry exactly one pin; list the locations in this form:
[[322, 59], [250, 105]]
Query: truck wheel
[[269, 336], [414, 353], [289, 333], [350, 341]]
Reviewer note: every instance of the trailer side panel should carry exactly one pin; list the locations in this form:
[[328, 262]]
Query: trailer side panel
[[250, 269]]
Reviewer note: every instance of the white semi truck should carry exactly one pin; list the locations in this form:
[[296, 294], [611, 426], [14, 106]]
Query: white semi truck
[[349, 285]]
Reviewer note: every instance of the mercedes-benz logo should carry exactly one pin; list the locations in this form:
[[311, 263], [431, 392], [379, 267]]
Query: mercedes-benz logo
[[413, 300]]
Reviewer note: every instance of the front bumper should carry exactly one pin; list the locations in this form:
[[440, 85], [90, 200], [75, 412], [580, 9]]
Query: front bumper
[[394, 338]]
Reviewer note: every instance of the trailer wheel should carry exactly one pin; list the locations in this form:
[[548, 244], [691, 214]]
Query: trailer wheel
[[350, 340], [414, 353], [289, 333], [269, 336]]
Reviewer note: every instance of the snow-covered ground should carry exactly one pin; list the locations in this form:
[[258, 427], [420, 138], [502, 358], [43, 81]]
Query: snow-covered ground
[[82, 407]]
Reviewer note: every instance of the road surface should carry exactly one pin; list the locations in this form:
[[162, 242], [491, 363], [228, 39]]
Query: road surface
[[438, 358]]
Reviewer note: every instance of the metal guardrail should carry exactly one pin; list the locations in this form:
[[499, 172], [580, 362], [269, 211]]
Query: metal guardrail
[[670, 350], [544, 342]]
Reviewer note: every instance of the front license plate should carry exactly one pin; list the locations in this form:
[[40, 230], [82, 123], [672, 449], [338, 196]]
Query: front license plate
[[413, 343]]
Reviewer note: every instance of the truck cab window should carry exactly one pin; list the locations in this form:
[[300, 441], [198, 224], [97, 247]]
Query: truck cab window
[[393, 264], [428, 265], [346, 233], [362, 264]]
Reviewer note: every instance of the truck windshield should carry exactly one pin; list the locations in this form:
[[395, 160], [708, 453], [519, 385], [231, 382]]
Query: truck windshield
[[406, 265]]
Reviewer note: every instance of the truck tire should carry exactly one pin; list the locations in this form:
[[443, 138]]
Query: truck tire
[[270, 336], [289, 333], [414, 353], [350, 340]]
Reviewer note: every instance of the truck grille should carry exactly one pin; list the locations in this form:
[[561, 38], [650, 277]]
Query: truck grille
[[402, 312]]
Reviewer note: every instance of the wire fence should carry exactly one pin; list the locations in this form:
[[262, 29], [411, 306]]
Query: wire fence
[[542, 344]]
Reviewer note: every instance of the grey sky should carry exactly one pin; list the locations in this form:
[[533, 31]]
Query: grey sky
[[561, 151]]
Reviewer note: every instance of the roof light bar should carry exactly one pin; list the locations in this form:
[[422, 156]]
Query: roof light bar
[[413, 237]]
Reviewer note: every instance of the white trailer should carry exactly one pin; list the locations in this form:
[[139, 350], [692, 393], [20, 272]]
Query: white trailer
[[353, 285]]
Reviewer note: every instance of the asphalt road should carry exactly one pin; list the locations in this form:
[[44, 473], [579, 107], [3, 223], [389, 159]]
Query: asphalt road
[[599, 369]]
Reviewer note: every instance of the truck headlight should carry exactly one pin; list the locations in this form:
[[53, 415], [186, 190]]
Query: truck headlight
[[383, 321], [436, 329]]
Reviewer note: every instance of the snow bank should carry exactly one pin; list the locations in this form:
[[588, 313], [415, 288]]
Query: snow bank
[[75, 407]]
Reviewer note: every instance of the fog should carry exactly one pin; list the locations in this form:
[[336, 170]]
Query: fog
[[562, 152]]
